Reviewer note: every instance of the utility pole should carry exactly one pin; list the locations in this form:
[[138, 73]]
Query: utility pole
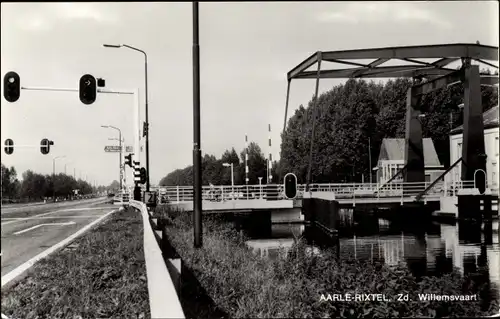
[[197, 204]]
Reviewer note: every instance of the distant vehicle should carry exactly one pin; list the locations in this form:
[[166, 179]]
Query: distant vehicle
[[111, 195]]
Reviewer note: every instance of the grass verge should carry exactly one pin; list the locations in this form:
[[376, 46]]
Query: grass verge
[[246, 286], [101, 274]]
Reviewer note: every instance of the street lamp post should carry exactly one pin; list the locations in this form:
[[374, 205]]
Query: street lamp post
[[120, 138], [232, 176], [54, 176], [197, 189], [147, 108], [122, 165], [65, 165]]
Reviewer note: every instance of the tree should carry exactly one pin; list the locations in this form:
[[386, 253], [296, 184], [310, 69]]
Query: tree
[[230, 157], [256, 165], [113, 187], [349, 115], [10, 183]]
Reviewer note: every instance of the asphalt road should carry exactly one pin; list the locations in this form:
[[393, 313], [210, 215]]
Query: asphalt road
[[28, 232], [26, 209]]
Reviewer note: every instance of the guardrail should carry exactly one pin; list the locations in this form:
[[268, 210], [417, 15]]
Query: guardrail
[[163, 299]]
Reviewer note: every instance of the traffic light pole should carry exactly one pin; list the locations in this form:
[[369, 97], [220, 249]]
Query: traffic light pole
[[108, 91], [121, 158], [136, 156]]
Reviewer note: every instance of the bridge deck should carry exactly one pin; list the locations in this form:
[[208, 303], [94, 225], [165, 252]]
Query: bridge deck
[[235, 205]]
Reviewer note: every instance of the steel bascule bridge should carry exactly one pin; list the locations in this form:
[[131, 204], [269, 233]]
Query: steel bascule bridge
[[473, 189]]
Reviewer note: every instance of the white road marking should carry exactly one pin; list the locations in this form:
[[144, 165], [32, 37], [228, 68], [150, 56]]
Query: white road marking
[[22, 268], [45, 214], [54, 217], [14, 209], [78, 209], [40, 225]]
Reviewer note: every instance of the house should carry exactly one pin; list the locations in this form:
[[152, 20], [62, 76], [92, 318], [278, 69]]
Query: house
[[392, 159], [491, 133]]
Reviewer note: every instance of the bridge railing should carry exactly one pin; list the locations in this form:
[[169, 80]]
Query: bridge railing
[[225, 193], [340, 190]]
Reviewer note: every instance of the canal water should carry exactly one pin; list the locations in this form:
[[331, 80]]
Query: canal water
[[432, 248]]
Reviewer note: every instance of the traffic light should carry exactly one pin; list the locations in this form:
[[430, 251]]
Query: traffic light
[[128, 160], [11, 86], [45, 146], [290, 186], [145, 129], [143, 175], [9, 146], [101, 83], [88, 89]]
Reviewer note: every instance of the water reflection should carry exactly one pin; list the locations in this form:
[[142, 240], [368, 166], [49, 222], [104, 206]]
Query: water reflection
[[431, 249]]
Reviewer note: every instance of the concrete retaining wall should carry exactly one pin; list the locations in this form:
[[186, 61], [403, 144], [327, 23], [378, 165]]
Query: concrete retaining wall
[[290, 215], [448, 206]]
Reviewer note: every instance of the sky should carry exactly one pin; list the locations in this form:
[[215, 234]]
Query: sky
[[246, 49]]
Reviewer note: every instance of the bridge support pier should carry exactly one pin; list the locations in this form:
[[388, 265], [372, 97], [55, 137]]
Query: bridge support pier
[[414, 149], [322, 213], [473, 150], [476, 207]]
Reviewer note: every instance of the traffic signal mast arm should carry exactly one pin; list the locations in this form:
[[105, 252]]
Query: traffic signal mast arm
[[44, 146], [87, 85], [25, 146], [75, 90]]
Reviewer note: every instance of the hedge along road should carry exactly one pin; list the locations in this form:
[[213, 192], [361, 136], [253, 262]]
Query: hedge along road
[[23, 238]]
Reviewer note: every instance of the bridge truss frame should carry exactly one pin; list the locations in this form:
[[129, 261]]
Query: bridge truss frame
[[427, 77]]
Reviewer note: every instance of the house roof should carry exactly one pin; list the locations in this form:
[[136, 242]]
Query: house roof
[[394, 149], [490, 120]]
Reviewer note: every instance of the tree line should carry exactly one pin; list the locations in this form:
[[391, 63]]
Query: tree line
[[214, 172], [352, 120], [35, 186], [355, 117]]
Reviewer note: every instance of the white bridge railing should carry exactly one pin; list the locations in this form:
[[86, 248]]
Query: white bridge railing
[[340, 191]]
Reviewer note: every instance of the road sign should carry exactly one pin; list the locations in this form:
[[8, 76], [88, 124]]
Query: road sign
[[112, 148], [150, 199], [116, 148]]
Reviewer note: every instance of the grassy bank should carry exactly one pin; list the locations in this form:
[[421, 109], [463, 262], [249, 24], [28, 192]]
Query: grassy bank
[[244, 285], [101, 274]]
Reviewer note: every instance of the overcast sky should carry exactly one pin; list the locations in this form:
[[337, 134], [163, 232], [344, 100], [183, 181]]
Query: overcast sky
[[246, 50]]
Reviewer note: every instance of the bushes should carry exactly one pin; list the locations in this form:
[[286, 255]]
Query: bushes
[[245, 285]]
